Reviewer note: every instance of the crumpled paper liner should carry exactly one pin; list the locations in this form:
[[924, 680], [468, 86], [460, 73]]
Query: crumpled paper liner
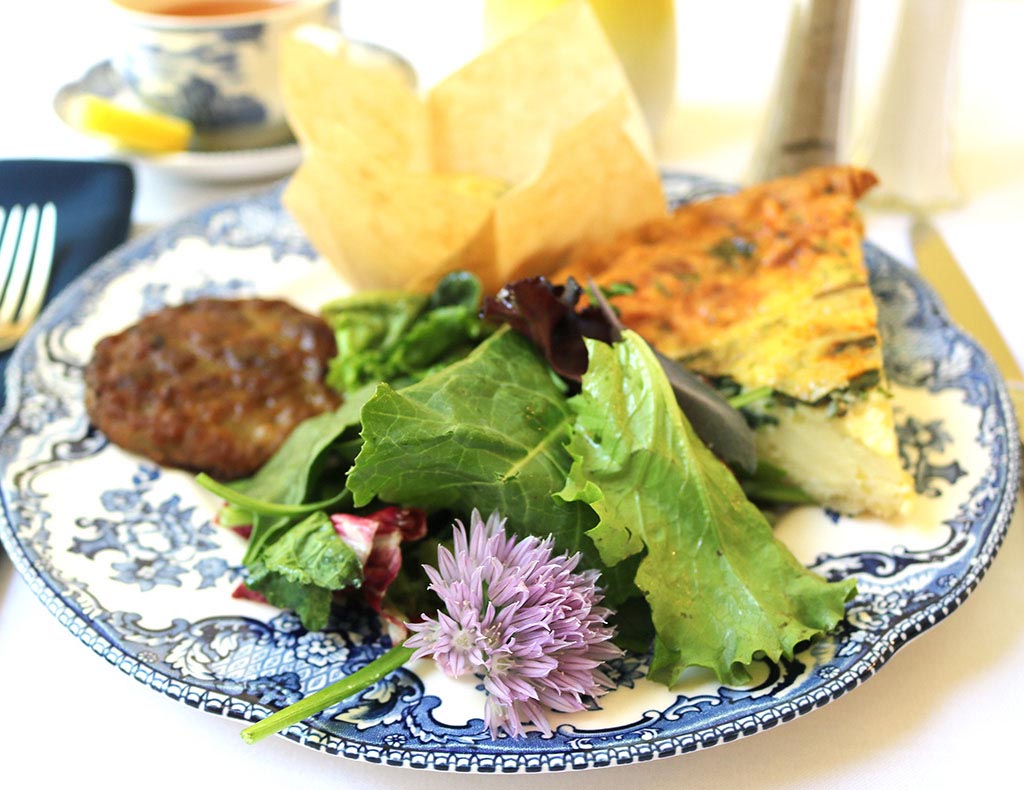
[[533, 148]]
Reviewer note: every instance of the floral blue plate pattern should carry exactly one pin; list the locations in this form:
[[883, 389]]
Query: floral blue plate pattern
[[126, 556]]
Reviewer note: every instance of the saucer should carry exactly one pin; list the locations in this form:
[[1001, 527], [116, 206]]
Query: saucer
[[227, 166]]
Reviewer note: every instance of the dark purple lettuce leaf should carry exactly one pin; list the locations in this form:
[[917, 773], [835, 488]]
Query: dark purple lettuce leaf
[[546, 315]]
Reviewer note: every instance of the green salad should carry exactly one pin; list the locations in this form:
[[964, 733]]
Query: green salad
[[527, 406]]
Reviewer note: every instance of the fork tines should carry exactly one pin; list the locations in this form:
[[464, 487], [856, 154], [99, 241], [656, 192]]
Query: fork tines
[[26, 257]]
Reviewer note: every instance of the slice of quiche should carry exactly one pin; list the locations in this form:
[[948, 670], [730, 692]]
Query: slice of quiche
[[768, 287]]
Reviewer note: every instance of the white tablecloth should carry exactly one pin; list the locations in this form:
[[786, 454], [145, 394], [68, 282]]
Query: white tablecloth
[[944, 712]]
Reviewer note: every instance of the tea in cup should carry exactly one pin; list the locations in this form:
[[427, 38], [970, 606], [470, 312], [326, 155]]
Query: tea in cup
[[214, 63]]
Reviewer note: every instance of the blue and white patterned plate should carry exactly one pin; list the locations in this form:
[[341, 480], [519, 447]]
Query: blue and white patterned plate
[[125, 553]]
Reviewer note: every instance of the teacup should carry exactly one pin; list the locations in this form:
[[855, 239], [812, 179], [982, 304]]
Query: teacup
[[214, 63]]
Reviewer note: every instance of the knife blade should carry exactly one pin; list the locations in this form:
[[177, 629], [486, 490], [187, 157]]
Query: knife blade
[[936, 263]]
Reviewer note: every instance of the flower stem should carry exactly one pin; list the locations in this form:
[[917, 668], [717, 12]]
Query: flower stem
[[258, 506], [352, 684]]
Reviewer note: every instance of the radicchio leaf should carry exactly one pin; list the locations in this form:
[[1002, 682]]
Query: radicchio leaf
[[376, 539], [546, 315]]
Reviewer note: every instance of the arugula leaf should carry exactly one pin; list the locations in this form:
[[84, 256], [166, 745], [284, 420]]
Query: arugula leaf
[[296, 559], [301, 569], [722, 590], [312, 552], [298, 466], [396, 335], [487, 432], [311, 603]]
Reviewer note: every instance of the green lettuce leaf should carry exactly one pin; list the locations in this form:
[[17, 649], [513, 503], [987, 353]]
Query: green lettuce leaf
[[303, 566], [401, 337], [721, 589], [289, 473], [301, 468], [311, 603], [487, 432], [366, 325]]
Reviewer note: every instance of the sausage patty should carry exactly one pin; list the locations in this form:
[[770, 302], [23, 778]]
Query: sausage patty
[[214, 385]]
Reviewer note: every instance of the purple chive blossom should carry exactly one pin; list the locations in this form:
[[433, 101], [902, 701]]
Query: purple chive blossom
[[525, 620]]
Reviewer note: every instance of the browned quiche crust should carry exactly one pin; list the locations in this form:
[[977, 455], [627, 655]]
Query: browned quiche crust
[[767, 286]]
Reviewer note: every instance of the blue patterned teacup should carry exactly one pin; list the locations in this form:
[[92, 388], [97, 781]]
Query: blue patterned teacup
[[215, 63]]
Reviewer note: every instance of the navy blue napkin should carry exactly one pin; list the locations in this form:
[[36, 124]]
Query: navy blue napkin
[[94, 211]]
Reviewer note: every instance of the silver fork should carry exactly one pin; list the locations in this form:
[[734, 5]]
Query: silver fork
[[26, 258]]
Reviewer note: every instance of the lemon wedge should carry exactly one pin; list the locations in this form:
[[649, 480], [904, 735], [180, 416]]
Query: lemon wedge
[[140, 130]]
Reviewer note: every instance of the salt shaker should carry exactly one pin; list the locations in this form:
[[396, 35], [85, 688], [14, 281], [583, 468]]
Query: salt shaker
[[908, 142]]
